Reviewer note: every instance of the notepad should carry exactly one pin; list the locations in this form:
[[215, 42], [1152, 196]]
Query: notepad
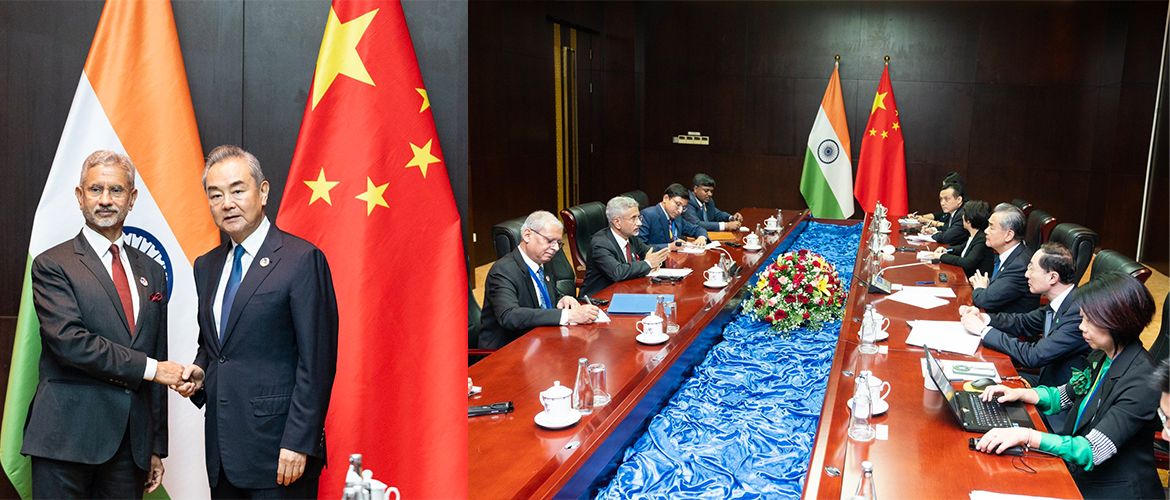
[[919, 237], [664, 272], [936, 291], [947, 336], [635, 303], [916, 299]]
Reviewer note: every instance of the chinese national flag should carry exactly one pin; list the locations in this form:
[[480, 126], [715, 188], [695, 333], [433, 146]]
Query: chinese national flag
[[368, 186], [881, 169]]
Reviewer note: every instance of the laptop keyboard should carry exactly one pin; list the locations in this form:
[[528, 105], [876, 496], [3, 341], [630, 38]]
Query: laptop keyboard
[[987, 413]]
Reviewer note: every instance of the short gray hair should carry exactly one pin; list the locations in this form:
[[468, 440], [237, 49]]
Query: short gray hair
[[228, 151], [540, 220], [617, 207], [1012, 219], [106, 157]]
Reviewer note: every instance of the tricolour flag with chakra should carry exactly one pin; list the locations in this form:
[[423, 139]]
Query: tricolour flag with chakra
[[369, 187], [133, 99], [827, 179]]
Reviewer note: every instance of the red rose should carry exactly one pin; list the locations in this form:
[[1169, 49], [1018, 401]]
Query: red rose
[[802, 298], [781, 314], [803, 251], [805, 315], [817, 263], [776, 287], [798, 278], [801, 268], [787, 257], [759, 302], [808, 289], [784, 268], [789, 299]]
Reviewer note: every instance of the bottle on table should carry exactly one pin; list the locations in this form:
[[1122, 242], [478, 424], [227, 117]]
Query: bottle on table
[[865, 487], [859, 428], [583, 391], [868, 332]]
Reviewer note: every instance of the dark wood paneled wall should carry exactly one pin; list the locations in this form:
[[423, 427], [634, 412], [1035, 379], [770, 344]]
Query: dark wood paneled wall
[[249, 66], [1052, 102]]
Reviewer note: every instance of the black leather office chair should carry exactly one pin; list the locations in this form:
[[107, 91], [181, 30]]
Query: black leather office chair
[[1108, 261], [1040, 224], [1160, 349], [1023, 205], [638, 196], [581, 221], [1080, 241], [506, 236]]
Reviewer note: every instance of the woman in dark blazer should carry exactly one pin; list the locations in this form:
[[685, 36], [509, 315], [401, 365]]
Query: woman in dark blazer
[[1107, 439], [974, 254]]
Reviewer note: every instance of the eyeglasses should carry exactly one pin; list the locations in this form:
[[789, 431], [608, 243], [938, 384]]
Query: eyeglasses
[[634, 218], [550, 241], [1162, 417]]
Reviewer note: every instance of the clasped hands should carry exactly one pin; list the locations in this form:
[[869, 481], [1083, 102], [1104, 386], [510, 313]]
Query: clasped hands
[[973, 320], [185, 380]]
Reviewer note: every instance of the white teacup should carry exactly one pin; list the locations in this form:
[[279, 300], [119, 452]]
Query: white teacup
[[876, 388], [715, 275], [557, 401], [751, 240], [650, 326], [771, 223], [885, 224]]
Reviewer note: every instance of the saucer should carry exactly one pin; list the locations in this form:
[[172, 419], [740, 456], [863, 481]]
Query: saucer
[[715, 284], [752, 248], [879, 407], [543, 421], [882, 335], [885, 231], [651, 339]]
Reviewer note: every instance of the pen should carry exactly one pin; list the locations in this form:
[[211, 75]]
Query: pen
[[924, 283], [587, 302]]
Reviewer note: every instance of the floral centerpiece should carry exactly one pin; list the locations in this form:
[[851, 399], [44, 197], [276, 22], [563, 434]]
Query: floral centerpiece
[[799, 288]]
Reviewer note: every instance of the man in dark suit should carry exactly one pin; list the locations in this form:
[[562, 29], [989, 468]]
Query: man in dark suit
[[1006, 289], [701, 209], [519, 292], [267, 343], [973, 255], [950, 229], [1059, 347], [661, 225], [615, 254], [96, 426]]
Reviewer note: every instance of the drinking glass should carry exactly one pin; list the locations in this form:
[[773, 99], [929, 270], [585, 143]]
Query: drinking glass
[[671, 309], [597, 379]]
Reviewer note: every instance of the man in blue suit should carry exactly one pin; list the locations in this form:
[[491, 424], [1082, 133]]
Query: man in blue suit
[[267, 343], [1060, 346], [701, 209], [662, 226]]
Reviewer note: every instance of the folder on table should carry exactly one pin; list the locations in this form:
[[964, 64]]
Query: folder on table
[[720, 236], [635, 303]]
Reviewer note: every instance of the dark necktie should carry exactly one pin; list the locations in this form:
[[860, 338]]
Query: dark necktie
[[629, 256], [995, 269], [123, 286], [229, 293], [1048, 313], [704, 207]]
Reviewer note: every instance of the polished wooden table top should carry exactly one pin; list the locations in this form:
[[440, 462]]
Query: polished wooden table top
[[509, 456], [926, 455]]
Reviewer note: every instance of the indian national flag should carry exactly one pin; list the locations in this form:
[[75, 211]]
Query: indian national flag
[[132, 98], [827, 180]]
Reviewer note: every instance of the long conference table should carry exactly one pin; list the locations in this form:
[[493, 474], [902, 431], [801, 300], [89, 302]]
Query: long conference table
[[926, 456]]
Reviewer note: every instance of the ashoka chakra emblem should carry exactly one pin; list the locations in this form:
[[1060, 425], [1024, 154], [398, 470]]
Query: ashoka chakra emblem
[[828, 151]]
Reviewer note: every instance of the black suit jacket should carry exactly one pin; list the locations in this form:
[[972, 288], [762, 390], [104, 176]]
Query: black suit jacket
[[979, 258], [1008, 291], [952, 231], [704, 215], [267, 386], [1056, 354], [510, 305], [91, 391], [1123, 410], [607, 262]]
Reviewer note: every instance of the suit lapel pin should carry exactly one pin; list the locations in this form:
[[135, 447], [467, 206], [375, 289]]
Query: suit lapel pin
[[143, 281], [264, 262]]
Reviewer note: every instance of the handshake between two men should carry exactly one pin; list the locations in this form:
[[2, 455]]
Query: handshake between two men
[[185, 380]]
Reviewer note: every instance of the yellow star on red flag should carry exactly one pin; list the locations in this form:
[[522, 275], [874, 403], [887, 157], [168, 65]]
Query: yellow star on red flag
[[339, 54], [373, 196], [321, 188], [426, 100], [422, 157]]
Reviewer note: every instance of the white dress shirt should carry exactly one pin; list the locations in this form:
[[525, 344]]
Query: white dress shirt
[[533, 267], [967, 246], [1003, 257], [622, 242], [101, 246], [251, 246]]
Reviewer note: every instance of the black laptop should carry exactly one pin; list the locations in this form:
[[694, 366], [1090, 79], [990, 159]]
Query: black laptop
[[974, 414]]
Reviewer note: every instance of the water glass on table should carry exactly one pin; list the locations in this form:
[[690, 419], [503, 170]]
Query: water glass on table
[[597, 380]]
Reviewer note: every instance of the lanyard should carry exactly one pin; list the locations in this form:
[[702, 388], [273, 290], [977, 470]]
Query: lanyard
[[671, 229], [543, 291], [1092, 391]]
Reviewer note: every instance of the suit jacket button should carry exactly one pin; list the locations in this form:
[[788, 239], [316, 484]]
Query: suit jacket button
[[223, 359]]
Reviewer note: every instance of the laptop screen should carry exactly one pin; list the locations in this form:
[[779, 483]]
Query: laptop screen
[[934, 368]]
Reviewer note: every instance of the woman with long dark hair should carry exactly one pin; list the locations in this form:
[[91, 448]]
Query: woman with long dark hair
[[1107, 439]]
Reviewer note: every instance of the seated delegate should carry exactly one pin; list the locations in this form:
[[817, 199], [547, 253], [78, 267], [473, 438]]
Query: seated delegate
[[616, 253], [973, 255], [701, 209], [1106, 440], [662, 226], [950, 178], [520, 294], [1006, 289], [950, 229]]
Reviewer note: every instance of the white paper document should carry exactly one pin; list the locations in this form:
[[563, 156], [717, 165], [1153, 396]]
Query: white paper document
[[987, 495], [919, 237], [692, 250], [936, 291], [663, 272], [947, 336], [925, 301], [601, 318], [925, 255]]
